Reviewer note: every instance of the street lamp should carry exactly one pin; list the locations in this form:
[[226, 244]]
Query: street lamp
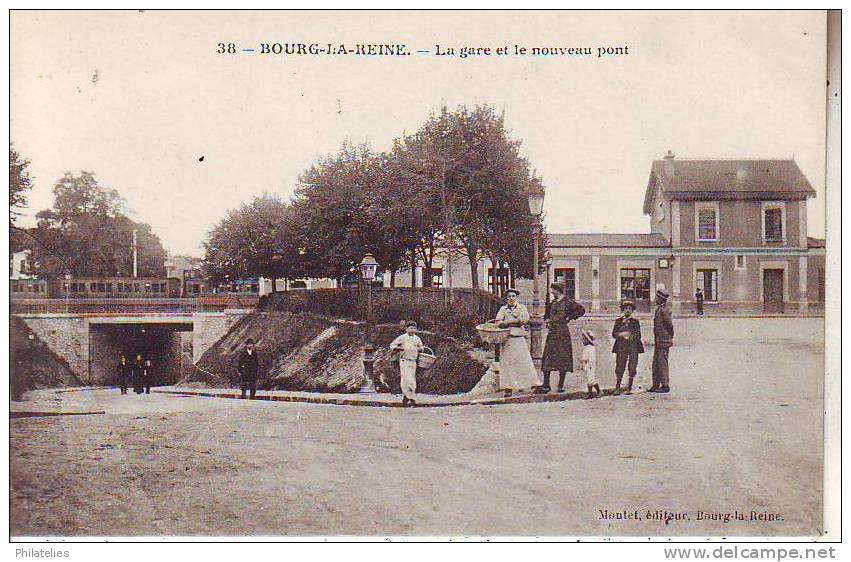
[[31, 338], [535, 195], [548, 261], [368, 270]]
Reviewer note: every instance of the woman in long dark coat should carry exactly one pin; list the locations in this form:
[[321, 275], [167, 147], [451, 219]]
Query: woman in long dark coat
[[558, 351]]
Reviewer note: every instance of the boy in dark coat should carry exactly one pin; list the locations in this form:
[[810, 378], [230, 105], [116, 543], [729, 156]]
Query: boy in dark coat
[[248, 366], [627, 334], [698, 299]]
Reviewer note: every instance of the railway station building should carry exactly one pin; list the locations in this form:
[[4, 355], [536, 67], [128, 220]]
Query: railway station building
[[737, 229]]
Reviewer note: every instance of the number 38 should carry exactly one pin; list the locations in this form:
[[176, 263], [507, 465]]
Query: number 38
[[226, 48]]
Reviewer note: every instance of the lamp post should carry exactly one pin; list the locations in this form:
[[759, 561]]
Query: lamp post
[[535, 195], [20, 390], [368, 269], [548, 261]]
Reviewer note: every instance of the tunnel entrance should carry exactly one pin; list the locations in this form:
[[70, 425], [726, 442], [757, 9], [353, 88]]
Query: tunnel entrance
[[161, 343]]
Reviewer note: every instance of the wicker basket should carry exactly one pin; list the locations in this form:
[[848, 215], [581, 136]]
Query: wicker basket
[[491, 333], [426, 358]]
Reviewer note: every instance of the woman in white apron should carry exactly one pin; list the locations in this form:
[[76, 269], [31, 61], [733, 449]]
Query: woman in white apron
[[516, 369]]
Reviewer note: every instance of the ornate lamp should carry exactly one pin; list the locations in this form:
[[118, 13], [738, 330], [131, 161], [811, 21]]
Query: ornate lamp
[[368, 269]]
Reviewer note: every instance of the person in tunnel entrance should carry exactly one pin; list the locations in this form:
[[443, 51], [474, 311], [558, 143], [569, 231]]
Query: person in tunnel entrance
[[248, 366], [138, 374], [147, 375], [124, 373]]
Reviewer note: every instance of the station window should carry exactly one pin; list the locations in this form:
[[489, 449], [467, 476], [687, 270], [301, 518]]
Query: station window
[[568, 277], [707, 222]]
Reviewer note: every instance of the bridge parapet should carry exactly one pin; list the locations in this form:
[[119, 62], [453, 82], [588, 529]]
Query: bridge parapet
[[131, 306]]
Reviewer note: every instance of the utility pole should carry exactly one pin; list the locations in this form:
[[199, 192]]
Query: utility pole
[[135, 256]]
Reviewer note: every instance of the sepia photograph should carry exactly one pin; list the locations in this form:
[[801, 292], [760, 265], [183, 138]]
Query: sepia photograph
[[423, 275]]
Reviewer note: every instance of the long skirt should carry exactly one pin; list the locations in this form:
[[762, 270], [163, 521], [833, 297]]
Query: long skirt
[[516, 369], [558, 351], [408, 381]]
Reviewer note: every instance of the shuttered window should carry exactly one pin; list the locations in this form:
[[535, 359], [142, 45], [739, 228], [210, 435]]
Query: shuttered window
[[773, 224], [707, 224]]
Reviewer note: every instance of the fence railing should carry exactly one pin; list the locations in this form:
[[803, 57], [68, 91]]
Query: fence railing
[[132, 306]]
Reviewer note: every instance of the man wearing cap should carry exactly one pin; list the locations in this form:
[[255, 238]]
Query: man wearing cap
[[248, 366], [663, 335], [627, 335], [408, 345]]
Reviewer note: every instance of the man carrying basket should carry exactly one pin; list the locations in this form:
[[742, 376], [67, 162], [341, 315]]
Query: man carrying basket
[[408, 345]]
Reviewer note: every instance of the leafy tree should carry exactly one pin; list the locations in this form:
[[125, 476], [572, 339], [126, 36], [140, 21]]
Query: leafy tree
[[334, 199], [87, 233], [475, 180], [253, 240], [19, 183]]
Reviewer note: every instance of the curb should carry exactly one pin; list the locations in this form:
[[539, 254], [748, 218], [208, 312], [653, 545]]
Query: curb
[[13, 415], [526, 399]]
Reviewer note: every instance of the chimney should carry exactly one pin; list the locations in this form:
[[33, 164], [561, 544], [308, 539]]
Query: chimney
[[669, 164]]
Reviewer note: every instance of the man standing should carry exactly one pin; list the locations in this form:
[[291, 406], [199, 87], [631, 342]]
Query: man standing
[[248, 367], [125, 371], [663, 335], [148, 375], [138, 374], [698, 299]]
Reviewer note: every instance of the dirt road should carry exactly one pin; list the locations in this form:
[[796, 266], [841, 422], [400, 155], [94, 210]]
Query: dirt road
[[741, 431]]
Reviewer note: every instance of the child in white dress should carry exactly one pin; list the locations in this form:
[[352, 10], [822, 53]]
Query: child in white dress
[[588, 364]]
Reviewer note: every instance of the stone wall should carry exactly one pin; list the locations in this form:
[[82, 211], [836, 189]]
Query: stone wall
[[210, 328], [67, 337]]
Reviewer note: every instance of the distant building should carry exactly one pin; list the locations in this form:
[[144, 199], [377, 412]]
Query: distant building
[[17, 264], [737, 229], [187, 270]]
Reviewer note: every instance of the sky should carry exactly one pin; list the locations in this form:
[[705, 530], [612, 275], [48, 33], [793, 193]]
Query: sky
[[139, 97]]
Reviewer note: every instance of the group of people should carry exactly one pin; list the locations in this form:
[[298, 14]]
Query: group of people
[[139, 373], [517, 370]]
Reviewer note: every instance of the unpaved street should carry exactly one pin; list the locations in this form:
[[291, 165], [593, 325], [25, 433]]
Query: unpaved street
[[741, 431]]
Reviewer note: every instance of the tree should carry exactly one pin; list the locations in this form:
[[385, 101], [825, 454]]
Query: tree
[[475, 179], [19, 183], [335, 198], [254, 240], [88, 234]]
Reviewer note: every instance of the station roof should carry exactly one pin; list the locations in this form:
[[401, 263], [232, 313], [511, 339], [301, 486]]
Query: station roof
[[605, 240]]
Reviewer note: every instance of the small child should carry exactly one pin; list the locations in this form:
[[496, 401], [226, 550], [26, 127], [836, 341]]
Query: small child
[[409, 345], [588, 364]]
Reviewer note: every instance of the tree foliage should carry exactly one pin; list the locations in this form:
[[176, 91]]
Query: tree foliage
[[458, 181], [253, 240], [87, 233]]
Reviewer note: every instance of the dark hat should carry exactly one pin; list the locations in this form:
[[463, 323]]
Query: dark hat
[[410, 323], [662, 294], [249, 341], [627, 303], [588, 335], [512, 291]]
